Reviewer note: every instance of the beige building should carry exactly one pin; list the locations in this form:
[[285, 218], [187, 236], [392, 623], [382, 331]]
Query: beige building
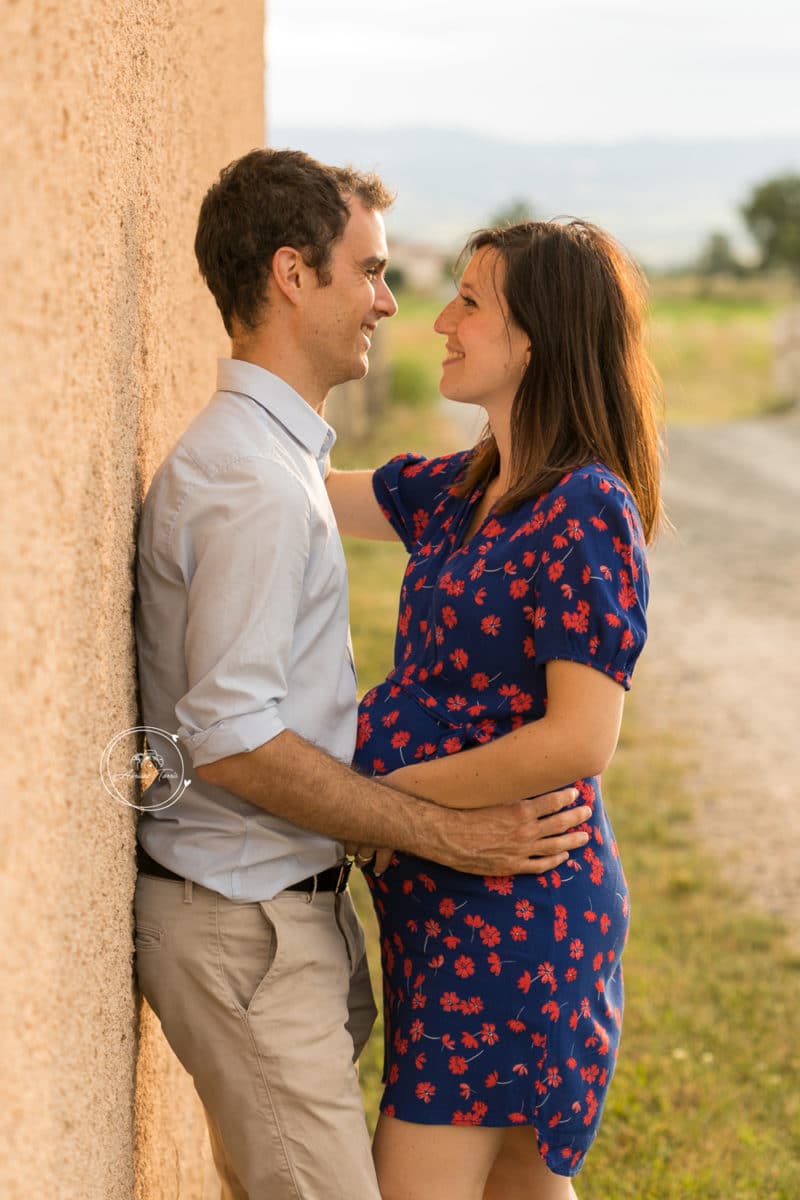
[[116, 119]]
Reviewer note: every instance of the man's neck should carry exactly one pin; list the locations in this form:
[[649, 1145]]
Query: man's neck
[[287, 367]]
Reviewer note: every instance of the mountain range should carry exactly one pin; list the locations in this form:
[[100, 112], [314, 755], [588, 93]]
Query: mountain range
[[660, 198]]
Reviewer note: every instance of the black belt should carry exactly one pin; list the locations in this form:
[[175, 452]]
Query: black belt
[[334, 879]]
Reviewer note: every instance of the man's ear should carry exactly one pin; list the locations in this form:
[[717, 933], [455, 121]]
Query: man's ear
[[290, 273]]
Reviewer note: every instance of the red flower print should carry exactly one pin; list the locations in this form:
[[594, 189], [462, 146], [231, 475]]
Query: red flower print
[[493, 528], [472, 1006], [469, 1040], [518, 1118], [570, 975], [390, 718], [446, 907], [452, 745], [432, 928], [626, 641], [417, 1030], [491, 625], [455, 703], [464, 966], [495, 965], [400, 739], [551, 1010], [479, 681], [521, 703], [491, 1079], [576, 947], [364, 730], [489, 1034], [524, 910], [449, 616], [451, 941], [605, 922], [457, 1064], [425, 1092], [598, 523], [420, 1060], [459, 658], [554, 1080], [545, 973], [436, 962], [464, 1091], [613, 620], [518, 588], [478, 568], [554, 571], [515, 1025], [528, 648], [474, 920], [480, 596], [578, 620], [518, 933], [626, 594], [450, 1001], [504, 884], [490, 935], [524, 982]]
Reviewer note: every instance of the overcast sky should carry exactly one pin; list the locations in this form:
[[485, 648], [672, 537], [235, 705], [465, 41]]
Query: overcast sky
[[562, 70]]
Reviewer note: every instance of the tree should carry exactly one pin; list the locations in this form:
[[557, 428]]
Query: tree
[[717, 257], [772, 215], [513, 213]]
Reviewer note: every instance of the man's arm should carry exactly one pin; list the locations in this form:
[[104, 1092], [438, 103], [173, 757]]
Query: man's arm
[[293, 779]]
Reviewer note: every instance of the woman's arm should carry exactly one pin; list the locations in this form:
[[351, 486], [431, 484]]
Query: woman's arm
[[576, 738], [357, 512]]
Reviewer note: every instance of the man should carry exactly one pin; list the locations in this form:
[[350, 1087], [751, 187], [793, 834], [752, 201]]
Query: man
[[248, 949]]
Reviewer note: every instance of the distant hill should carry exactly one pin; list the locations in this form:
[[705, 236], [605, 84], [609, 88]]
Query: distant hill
[[661, 198]]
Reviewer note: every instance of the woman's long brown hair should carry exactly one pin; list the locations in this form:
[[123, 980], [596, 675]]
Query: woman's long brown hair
[[590, 392]]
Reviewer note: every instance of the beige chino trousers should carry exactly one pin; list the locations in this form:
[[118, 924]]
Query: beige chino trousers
[[267, 1006]]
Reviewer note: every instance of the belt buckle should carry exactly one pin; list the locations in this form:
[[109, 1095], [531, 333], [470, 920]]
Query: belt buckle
[[345, 867]]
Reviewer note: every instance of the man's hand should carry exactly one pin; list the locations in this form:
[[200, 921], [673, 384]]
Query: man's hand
[[526, 838]]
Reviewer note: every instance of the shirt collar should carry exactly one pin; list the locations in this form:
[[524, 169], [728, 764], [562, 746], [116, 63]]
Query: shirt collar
[[280, 400]]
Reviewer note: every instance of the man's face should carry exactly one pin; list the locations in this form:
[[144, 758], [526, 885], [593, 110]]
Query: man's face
[[341, 316]]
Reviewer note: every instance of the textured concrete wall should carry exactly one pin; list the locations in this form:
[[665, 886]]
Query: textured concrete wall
[[117, 115]]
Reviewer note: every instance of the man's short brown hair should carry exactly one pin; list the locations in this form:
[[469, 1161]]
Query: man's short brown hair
[[269, 199]]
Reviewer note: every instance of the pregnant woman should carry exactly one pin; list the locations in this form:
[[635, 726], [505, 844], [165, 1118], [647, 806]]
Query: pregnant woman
[[522, 614]]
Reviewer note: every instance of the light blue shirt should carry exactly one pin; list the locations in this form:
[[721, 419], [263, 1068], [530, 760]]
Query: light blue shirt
[[242, 625]]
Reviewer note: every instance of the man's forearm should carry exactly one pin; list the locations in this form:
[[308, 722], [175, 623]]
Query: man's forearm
[[295, 780]]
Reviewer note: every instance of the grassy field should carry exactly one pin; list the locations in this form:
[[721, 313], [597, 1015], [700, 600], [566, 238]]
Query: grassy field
[[714, 351]]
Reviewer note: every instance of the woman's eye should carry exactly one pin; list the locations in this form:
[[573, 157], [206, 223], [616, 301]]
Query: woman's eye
[[467, 300]]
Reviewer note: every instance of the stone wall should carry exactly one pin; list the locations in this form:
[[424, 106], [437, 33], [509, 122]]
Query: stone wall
[[117, 116]]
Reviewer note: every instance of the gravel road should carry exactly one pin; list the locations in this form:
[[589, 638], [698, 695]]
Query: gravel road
[[723, 658]]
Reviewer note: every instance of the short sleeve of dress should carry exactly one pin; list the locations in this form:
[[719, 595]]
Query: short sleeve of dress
[[591, 580], [409, 489]]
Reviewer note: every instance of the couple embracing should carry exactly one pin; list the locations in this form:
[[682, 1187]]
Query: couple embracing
[[466, 785]]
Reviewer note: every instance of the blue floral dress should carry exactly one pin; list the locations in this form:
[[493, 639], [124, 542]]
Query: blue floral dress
[[503, 996]]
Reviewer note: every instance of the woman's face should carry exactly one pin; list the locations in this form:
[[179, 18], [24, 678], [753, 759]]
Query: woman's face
[[487, 353]]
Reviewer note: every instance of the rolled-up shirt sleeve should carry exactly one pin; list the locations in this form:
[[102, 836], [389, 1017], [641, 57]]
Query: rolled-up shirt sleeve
[[242, 539]]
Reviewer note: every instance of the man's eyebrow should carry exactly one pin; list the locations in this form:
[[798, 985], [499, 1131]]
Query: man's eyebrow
[[373, 261]]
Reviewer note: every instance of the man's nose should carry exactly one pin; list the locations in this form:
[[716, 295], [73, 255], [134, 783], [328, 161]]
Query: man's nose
[[385, 302]]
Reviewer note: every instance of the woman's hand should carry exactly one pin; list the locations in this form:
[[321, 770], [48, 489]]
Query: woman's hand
[[363, 855]]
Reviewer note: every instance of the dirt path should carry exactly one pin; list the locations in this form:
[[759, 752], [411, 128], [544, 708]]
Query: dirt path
[[723, 659]]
